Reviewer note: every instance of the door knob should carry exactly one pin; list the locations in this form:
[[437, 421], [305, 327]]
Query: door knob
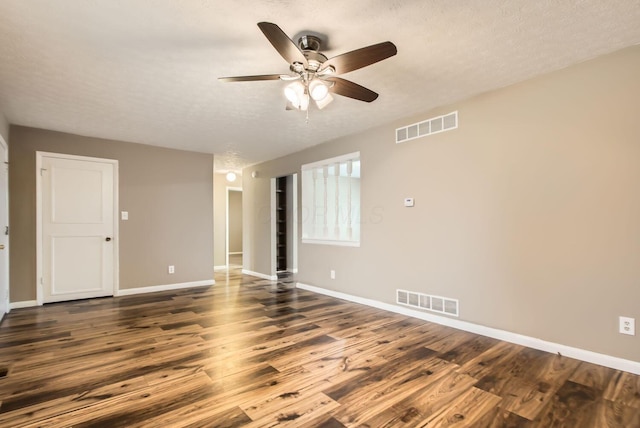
[[1, 246], [108, 239]]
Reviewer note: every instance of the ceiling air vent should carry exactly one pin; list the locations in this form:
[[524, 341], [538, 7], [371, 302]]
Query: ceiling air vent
[[431, 126], [443, 305]]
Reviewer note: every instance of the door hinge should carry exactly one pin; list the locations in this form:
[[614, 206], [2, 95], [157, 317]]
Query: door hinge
[[6, 230], [41, 281]]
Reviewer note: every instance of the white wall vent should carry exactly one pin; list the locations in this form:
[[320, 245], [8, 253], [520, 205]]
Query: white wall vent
[[431, 126], [443, 305]]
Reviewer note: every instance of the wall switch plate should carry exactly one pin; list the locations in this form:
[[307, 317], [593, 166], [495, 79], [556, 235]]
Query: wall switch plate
[[408, 202], [332, 274], [628, 326], [124, 215], [172, 269]]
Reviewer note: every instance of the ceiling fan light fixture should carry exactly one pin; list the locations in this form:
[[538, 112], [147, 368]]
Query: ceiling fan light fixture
[[318, 90], [304, 100], [324, 102], [293, 92], [298, 95]]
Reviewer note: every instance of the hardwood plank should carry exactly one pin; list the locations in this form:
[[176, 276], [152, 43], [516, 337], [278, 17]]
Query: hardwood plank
[[614, 415], [134, 408], [302, 411], [449, 342], [318, 377], [625, 389], [468, 350], [371, 401], [233, 418], [491, 360], [500, 418], [573, 405], [592, 375], [467, 410], [13, 413], [426, 402], [528, 381]]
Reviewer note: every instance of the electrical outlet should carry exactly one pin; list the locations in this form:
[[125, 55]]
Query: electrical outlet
[[628, 326], [332, 274], [172, 269]]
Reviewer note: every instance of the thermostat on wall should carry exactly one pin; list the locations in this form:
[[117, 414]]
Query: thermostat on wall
[[408, 202]]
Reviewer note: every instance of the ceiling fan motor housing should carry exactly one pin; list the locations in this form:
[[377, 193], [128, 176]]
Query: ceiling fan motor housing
[[308, 42], [310, 46]]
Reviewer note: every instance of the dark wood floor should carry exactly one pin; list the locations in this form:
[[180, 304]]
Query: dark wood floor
[[249, 352]]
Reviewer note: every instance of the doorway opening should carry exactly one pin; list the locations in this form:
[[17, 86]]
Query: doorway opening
[[233, 246], [284, 224]]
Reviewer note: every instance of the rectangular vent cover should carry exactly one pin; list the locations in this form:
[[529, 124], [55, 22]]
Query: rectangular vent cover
[[428, 127], [443, 305]]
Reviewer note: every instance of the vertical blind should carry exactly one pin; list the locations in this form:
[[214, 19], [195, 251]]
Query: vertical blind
[[331, 200]]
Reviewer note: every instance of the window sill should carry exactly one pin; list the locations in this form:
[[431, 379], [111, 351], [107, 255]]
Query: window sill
[[331, 242]]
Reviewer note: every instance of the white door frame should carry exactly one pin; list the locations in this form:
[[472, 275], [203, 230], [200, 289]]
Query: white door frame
[[5, 253], [226, 245], [294, 219], [116, 233]]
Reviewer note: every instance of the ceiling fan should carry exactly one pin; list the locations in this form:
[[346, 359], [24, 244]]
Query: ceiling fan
[[313, 75]]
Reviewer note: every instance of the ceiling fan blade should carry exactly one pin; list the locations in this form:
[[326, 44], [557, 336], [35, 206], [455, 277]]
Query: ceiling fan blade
[[250, 78], [283, 44], [360, 57], [349, 89]]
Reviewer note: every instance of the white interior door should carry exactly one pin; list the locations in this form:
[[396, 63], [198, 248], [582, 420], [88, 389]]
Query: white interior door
[[4, 229], [77, 203]]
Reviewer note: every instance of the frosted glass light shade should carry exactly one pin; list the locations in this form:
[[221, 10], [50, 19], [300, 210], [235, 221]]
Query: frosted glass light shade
[[324, 102], [318, 90], [291, 94], [295, 93]]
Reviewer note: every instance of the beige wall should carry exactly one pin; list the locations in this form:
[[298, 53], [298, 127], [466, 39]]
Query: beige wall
[[529, 213], [235, 222], [4, 127], [168, 194]]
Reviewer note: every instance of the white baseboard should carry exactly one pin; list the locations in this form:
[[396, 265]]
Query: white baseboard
[[260, 275], [167, 287], [507, 336], [23, 304], [235, 253], [220, 267], [129, 291]]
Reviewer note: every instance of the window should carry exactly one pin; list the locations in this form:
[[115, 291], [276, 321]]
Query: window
[[331, 201]]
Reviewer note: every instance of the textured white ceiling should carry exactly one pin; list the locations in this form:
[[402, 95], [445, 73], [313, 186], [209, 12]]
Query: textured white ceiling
[[146, 70]]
